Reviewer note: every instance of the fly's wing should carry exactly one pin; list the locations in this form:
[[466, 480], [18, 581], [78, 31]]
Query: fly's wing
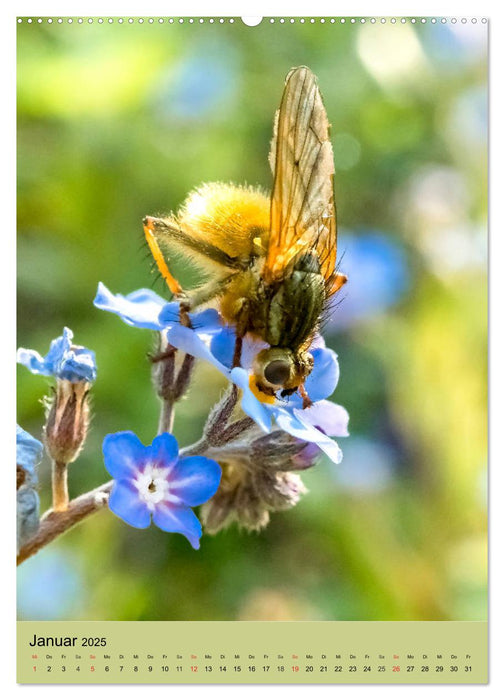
[[302, 216]]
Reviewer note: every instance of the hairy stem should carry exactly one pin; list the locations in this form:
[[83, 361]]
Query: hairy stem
[[184, 377], [54, 523], [59, 486], [166, 416], [220, 414], [197, 448]]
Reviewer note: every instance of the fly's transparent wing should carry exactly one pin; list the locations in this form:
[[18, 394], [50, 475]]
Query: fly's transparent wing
[[303, 216]]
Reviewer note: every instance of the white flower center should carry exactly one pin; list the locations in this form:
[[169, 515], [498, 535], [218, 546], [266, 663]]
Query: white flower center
[[152, 485]]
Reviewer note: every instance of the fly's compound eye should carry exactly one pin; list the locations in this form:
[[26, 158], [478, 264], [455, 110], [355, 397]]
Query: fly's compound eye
[[277, 372]]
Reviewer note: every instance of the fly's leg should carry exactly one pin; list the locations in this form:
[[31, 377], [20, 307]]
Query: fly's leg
[[241, 328], [336, 282], [203, 295], [173, 284], [200, 296], [307, 402], [238, 351]]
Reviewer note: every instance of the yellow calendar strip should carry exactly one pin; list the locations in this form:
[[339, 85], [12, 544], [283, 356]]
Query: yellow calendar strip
[[252, 652]]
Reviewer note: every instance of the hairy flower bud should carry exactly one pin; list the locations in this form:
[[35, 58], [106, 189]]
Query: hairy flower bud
[[283, 452], [248, 492], [67, 421], [280, 491]]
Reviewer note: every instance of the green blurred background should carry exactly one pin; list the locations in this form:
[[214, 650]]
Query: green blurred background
[[116, 121]]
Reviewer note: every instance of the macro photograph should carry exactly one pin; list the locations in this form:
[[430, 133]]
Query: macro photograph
[[252, 319]]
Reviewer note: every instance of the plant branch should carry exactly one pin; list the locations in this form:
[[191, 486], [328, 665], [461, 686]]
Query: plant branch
[[54, 523], [59, 486]]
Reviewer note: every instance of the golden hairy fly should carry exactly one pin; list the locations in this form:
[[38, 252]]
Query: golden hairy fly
[[270, 260]]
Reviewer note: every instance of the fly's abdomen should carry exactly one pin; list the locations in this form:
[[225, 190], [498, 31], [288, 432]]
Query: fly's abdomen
[[294, 309]]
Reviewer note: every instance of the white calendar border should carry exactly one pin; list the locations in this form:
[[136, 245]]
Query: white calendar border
[[7, 282]]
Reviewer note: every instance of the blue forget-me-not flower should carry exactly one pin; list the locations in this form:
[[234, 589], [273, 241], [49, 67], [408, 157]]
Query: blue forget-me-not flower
[[153, 483]]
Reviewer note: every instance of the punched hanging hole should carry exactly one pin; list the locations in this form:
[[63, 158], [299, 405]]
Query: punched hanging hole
[[251, 21]]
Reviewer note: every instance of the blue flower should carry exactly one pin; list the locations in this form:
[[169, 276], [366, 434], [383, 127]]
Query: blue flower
[[146, 309], [28, 455], [316, 424], [153, 483], [63, 361]]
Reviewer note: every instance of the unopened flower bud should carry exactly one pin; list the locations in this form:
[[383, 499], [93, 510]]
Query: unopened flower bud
[[67, 421], [282, 452], [281, 491], [248, 492]]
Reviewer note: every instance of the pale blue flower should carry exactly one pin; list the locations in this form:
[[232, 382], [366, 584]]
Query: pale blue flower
[[28, 452], [28, 455], [146, 309], [63, 361]]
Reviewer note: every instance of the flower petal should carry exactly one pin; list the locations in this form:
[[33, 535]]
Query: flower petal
[[28, 450], [27, 514], [124, 454], [329, 417], [58, 351], [250, 404], [33, 361], [177, 519], [78, 365], [49, 364], [222, 346], [140, 308], [164, 450], [187, 340], [195, 480], [124, 501], [251, 347], [292, 422], [325, 374], [207, 321]]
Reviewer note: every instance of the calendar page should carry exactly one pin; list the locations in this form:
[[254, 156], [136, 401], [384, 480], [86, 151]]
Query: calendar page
[[252, 349]]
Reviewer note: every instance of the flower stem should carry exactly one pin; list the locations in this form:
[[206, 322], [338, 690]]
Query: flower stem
[[59, 486], [217, 431], [197, 448], [166, 416], [220, 414], [183, 377], [54, 523]]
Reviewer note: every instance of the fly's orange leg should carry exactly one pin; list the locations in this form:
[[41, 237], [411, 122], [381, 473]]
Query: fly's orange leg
[[336, 282], [149, 225], [307, 402]]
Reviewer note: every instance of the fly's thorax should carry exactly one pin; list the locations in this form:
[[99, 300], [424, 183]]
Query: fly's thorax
[[277, 369]]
